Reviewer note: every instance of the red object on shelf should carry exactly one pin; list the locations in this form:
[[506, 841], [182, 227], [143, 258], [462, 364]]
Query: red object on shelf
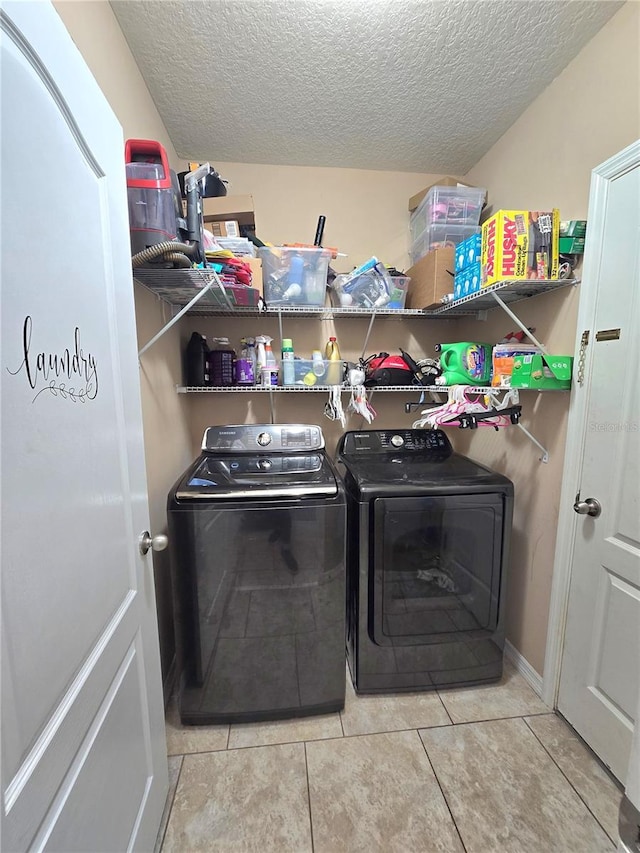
[[147, 151]]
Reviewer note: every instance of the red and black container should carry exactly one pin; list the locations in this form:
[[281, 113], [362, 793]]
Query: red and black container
[[153, 213]]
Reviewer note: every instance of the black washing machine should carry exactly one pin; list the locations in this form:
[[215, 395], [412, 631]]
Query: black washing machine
[[258, 541], [428, 545]]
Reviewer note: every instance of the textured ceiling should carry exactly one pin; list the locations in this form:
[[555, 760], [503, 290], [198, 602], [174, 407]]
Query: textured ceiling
[[409, 85]]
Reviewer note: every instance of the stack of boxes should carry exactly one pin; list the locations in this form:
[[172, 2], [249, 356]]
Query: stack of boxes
[[467, 259], [445, 216]]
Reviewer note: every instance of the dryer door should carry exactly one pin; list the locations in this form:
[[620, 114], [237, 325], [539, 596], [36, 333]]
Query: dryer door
[[435, 568]]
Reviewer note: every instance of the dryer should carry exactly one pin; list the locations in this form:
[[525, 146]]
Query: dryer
[[428, 545], [257, 532]]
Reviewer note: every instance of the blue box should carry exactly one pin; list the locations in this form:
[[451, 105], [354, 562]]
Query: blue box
[[468, 252], [458, 286], [472, 278], [473, 246], [461, 255]]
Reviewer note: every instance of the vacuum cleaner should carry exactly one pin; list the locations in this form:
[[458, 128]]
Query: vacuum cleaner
[[161, 235]]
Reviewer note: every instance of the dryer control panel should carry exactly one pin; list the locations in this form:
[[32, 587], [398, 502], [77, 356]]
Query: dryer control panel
[[399, 442], [263, 438]]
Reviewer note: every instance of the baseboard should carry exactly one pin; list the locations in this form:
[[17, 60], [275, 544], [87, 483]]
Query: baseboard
[[524, 668]]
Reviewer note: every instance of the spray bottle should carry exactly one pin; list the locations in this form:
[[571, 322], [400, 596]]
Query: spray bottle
[[266, 361]]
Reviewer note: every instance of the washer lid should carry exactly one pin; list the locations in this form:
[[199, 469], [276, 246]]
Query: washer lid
[[263, 476]]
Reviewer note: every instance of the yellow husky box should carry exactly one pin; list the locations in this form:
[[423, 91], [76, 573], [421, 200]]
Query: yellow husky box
[[520, 245]]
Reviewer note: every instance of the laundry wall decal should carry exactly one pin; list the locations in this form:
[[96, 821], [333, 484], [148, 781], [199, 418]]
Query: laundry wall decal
[[71, 374]]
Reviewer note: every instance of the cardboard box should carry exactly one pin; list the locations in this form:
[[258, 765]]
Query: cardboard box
[[256, 273], [520, 245], [573, 228], [224, 228], [542, 371], [238, 208], [431, 279], [446, 181], [571, 245]]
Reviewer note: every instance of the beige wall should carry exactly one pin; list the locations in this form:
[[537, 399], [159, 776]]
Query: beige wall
[[366, 211], [99, 38], [545, 159]]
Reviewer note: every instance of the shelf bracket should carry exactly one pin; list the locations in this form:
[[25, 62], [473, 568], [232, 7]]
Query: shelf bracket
[[207, 287], [519, 324], [366, 337], [545, 453]]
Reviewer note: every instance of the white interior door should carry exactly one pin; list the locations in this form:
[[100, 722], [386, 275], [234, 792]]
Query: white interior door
[[600, 674], [83, 749]]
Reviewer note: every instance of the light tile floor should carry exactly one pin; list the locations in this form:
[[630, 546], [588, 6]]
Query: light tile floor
[[480, 769]]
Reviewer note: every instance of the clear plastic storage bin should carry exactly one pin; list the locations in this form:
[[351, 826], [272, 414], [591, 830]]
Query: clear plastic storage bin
[[294, 276], [362, 295], [307, 373], [447, 206], [439, 237]]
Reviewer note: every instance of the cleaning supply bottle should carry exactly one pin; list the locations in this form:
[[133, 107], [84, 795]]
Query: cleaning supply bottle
[[464, 363], [334, 369], [245, 373], [197, 361], [288, 366], [266, 361], [222, 359]]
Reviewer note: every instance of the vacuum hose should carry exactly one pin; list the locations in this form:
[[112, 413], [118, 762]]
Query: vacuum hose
[[175, 253]]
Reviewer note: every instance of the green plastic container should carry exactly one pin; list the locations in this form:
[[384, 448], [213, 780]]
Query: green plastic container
[[465, 363]]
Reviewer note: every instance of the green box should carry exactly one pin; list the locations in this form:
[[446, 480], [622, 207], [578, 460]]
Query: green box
[[573, 228], [571, 246], [542, 371]]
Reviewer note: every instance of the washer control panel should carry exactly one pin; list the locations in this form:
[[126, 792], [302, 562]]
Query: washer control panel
[[265, 438], [406, 442]]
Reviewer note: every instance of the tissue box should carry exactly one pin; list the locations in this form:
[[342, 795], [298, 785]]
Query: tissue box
[[542, 371]]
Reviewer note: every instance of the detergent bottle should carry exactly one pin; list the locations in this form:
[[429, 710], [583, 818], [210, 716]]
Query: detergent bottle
[[197, 361], [245, 366], [334, 368], [464, 363], [222, 358]]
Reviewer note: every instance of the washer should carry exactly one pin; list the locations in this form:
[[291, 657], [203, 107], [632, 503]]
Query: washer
[[428, 544], [257, 530]]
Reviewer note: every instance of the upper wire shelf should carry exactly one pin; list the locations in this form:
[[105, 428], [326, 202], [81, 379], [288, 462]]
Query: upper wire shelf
[[508, 291]]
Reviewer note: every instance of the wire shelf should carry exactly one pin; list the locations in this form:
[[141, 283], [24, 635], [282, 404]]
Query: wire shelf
[[509, 291], [288, 389], [178, 287]]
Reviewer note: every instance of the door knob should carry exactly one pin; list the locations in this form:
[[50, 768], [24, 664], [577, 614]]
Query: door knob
[[590, 506], [148, 542]]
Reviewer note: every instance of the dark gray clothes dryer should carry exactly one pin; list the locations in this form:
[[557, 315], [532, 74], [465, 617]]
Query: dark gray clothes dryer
[[257, 530], [428, 541]]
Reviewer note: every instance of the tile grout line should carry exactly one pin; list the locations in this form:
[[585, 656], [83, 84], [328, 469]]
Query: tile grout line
[[306, 765], [228, 738], [578, 794], [173, 799], [444, 796], [446, 710]]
